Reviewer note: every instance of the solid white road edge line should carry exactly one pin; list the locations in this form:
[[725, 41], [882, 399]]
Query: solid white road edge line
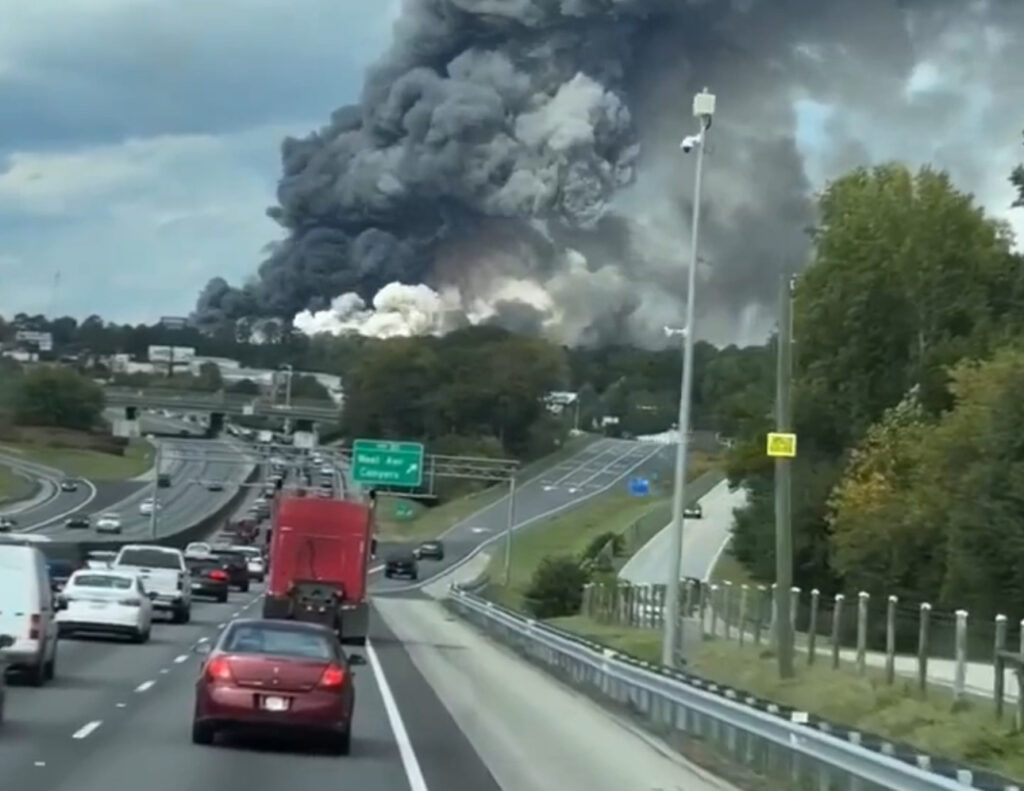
[[86, 729], [410, 763]]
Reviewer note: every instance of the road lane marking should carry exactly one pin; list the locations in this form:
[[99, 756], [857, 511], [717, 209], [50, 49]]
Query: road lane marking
[[180, 658], [122, 705], [86, 730], [164, 670], [406, 753], [144, 686]]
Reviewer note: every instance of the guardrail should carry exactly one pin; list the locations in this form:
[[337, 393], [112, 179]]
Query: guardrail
[[793, 749]]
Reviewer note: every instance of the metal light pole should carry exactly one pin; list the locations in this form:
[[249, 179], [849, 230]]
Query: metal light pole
[[156, 488], [288, 384], [783, 485], [703, 110], [507, 575]]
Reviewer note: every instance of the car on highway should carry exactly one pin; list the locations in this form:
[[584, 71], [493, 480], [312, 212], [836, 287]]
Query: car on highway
[[235, 564], [147, 506], [105, 601], [207, 577], [254, 560], [430, 550], [7, 524], [60, 571], [197, 548], [276, 677], [78, 522], [27, 607], [109, 523], [693, 512], [401, 563], [215, 486], [164, 574], [100, 559], [69, 485]]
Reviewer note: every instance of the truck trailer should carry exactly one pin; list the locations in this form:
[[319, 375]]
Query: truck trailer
[[319, 557]]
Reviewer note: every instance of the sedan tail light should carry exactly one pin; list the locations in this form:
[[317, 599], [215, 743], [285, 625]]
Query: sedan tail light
[[218, 575], [333, 677], [218, 669]]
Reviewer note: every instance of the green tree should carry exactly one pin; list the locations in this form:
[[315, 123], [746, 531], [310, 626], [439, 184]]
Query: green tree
[[1017, 180], [308, 387], [57, 396], [556, 588], [209, 377], [907, 277]]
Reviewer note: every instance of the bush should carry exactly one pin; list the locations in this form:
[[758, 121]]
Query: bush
[[55, 396], [556, 588], [598, 543]]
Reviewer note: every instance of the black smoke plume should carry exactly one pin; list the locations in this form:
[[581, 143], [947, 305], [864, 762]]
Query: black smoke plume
[[508, 141]]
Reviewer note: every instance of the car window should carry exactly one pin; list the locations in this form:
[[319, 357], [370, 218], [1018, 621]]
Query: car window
[[108, 581], [252, 639], [150, 558], [200, 564], [235, 557]]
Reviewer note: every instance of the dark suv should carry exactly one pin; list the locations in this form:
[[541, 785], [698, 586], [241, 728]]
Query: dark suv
[[401, 563], [208, 577], [236, 566]]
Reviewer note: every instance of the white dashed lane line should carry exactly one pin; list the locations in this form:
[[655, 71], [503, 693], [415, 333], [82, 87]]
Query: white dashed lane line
[[144, 686], [86, 730], [180, 658]]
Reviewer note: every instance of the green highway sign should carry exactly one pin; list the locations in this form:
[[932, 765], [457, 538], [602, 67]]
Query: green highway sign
[[381, 462]]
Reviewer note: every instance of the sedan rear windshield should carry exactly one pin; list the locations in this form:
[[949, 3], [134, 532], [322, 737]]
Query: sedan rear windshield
[[150, 558], [109, 581], [202, 564], [251, 639], [237, 557]]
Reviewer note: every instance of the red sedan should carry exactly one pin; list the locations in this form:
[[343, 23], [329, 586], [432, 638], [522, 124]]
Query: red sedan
[[278, 677]]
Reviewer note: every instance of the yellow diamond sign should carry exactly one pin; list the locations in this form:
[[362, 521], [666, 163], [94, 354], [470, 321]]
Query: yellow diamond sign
[[782, 445]]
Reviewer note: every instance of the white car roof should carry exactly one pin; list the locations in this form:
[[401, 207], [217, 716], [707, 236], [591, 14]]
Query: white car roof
[[106, 572], [154, 547]]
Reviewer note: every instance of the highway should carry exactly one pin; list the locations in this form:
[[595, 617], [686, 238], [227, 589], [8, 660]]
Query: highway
[[184, 501], [594, 470], [704, 540]]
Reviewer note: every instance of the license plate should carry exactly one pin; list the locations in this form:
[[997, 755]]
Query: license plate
[[271, 703], [196, 585]]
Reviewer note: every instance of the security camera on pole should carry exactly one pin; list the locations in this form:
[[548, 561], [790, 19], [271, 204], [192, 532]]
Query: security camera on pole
[[703, 110]]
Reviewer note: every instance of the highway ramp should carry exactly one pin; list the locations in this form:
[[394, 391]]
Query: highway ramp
[[595, 470], [704, 540]]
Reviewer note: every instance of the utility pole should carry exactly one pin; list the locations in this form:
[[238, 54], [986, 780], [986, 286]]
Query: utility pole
[[509, 527], [783, 485], [156, 489]]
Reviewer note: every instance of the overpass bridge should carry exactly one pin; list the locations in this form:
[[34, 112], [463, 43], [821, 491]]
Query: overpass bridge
[[220, 403]]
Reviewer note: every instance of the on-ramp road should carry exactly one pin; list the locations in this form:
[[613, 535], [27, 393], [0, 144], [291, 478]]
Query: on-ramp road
[[596, 469]]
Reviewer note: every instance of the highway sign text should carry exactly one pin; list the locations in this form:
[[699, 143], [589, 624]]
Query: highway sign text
[[385, 463]]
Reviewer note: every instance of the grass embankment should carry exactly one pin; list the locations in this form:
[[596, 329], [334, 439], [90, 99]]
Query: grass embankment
[[962, 732], [79, 454], [404, 519], [13, 486]]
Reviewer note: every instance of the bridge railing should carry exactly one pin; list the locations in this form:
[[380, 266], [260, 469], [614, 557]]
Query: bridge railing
[[217, 399]]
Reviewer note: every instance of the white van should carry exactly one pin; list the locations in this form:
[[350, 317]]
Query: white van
[[27, 612]]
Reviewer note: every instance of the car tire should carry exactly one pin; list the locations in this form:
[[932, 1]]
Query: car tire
[[202, 733], [342, 742], [222, 598], [244, 587], [180, 615], [141, 636], [50, 666], [36, 677]]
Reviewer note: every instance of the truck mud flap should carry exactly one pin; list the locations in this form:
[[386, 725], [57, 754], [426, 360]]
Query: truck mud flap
[[276, 607], [355, 624]]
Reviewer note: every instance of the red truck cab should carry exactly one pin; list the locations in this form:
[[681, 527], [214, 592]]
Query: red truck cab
[[319, 556]]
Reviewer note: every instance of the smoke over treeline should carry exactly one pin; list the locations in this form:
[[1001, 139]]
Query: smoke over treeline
[[520, 158]]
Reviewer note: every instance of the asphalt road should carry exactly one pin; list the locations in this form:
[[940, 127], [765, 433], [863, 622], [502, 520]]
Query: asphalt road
[[703, 542], [596, 469], [131, 706], [184, 502]]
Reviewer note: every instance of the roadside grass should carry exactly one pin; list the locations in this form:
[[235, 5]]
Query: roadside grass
[[83, 462], [729, 568], [406, 519], [967, 732], [12, 486]]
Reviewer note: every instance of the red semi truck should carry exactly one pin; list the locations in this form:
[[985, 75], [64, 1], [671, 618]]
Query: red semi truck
[[319, 555]]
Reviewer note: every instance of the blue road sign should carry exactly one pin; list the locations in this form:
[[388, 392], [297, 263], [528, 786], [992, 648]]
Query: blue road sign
[[639, 487]]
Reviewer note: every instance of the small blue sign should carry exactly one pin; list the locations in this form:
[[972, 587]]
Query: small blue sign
[[639, 487]]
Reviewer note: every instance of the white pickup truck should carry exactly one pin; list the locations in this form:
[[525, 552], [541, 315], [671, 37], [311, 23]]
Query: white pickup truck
[[164, 575]]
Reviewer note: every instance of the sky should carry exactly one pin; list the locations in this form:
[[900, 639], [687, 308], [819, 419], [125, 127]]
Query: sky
[[139, 140]]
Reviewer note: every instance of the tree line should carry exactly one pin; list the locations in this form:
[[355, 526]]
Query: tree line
[[908, 377]]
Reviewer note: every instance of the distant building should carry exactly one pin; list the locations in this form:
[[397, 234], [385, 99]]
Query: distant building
[[34, 341], [165, 354], [558, 401]]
